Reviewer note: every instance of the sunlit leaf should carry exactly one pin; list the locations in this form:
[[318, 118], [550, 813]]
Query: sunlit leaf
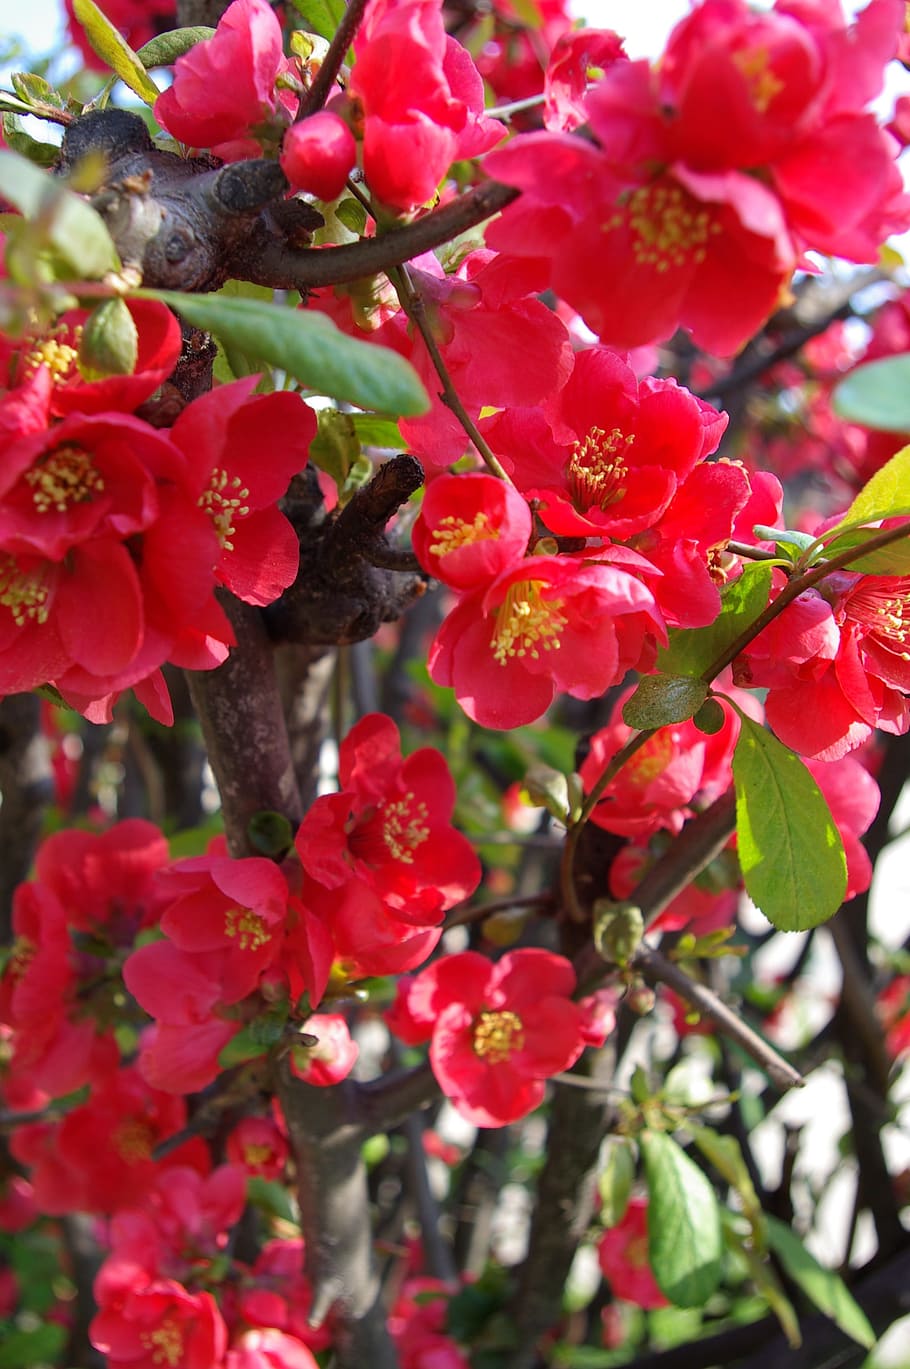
[[790, 850], [877, 394], [685, 1243], [309, 347], [821, 1286], [111, 46]]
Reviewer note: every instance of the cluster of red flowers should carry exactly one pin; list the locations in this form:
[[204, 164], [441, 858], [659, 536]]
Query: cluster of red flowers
[[114, 534]]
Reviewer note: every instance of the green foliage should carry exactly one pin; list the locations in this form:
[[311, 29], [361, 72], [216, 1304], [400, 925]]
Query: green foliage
[[270, 834], [663, 699], [877, 394], [308, 347], [336, 449], [790, 850], [886, 494], [894, 559], [65, 234], [164, 50], [41, 154], [320, 16], [821, 1286], [614, 1183], [110, 341], [42, 1344], [692, 651], [685, 1244], [110, 45]]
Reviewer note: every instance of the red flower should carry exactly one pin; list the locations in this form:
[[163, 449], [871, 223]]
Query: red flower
[[507, 652], [623, 1256], [224, 87], [836, 664], [223, 435], [853, 797], [269, 1349], [158, 351], [422, 99], [142, 1325], [332, 1058], [498, 1031], [257, 1145], [471, 528], [318, 154], [390, 827]]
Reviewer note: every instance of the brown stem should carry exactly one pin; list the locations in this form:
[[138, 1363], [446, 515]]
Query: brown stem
[[656, 967], [334, 1211], [27, 786], [333, 61]]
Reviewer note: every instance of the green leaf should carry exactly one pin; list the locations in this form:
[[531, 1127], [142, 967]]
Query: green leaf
[[270, 833], [685, 1243], [375, 431], [763, 1276], [663, 699], [691, 651], [41, 154], [66, 223], [790, 851], [724, 1153], [353, 215], [40, 1345], [710, 718], [336, 450], [885, 495], [547, 788], [35, 91], [320, 16], [164, 50], [821, 1286], [894, 559], [270, 1196], [877, 394], [111, 46], [614, 1183], [110, 341], [309, 347]]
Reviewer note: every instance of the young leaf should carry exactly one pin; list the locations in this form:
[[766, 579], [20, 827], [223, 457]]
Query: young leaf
[[309, 347], [893, 559], [614, 1183], [791, 852], [320, 16], [821, 1286], [70, 226], [111, 46], [110, 341], [763, 1276], [663, 699], [724, 1153], [164, 50], [877, 395], [685, 1242], [884, 495], [692, 650]]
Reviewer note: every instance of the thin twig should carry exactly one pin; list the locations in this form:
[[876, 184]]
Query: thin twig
[[655, 966], [333, 61], [412, 303]]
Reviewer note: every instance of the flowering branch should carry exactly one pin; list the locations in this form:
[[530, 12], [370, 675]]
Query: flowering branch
[[333, 61]]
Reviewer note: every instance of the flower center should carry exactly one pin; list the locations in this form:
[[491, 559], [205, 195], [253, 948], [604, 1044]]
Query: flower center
[[597, 469], [453, 533], [58, 357], [652, 760], [165, 1343], [24, 595], [133, 1140], [404, 827], [223, 502], [667, 227], [525, 624], [882, 607], [64, 477], [754, 64], [246, 927], [497, 1034], [22, 953], [255, 1154]]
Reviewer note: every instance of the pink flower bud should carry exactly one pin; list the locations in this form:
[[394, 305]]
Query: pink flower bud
[[318, 155]]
